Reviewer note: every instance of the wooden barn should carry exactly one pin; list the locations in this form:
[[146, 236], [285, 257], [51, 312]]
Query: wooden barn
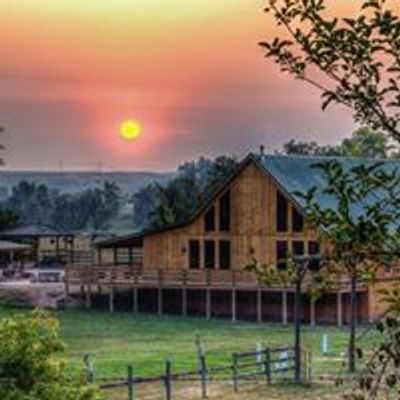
[[198, 267]]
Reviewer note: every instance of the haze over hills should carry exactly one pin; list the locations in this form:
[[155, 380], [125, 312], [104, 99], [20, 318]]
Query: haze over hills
[[72, 181]]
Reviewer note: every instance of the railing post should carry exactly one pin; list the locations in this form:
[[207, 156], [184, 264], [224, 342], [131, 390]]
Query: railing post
[[167, 380], [203, 376], [131, 392], [235, 372]]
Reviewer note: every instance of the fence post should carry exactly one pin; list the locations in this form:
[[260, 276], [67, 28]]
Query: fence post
[[167, 380], [203, 376], [235, 376], [267, 368], [89, 368], [131, 393]]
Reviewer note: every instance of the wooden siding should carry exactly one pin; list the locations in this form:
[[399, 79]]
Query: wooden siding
[[252, 234]]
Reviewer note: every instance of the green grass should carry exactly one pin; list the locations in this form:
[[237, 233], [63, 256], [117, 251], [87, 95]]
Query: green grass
[[115, 340]]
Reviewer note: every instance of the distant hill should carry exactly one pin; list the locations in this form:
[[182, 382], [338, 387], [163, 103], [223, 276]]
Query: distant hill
[[71, 182]]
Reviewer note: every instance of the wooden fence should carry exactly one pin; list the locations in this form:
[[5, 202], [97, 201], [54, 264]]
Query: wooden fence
[[270, 364]]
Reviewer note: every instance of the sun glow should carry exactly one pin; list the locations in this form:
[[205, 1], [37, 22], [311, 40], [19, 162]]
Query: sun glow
[[130, 129]]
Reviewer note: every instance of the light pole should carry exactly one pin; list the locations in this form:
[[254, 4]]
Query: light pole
[[302, 265]]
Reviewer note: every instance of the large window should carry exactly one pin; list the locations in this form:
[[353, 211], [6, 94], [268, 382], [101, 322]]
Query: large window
[[209, 220], [281, 213], [194, 254], [297, 220], [224, 254], [298, 248], [225, 212], [314, 250], [209, 254], [281, 254]]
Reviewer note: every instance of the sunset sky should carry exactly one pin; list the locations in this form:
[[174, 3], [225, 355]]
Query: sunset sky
[[189, 71]]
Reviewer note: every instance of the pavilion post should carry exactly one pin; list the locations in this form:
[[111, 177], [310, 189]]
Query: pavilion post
[[284, 308]]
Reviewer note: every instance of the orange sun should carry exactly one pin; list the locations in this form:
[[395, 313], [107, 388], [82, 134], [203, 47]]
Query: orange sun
[[130, 129]]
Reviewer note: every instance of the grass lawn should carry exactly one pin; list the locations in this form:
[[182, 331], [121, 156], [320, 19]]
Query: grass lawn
[[114, 340]]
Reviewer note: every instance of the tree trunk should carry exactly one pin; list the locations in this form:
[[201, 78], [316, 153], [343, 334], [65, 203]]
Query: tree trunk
[[353, 315]]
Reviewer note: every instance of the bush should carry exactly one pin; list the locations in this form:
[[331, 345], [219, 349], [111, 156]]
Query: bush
[[30, 368]]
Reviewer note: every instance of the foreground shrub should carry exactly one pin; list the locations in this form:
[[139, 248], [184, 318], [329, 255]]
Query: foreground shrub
[[30, 367]]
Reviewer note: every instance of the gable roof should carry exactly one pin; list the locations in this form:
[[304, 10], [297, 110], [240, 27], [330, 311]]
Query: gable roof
[[290, 173]]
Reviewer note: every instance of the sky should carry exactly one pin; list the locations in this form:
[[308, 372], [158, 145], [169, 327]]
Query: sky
[[190, 72]]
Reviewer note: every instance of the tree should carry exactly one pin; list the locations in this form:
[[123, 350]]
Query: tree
[[364, 142], [301, 148], [176, 201], [353, 62], [30, 367], [360, 229]]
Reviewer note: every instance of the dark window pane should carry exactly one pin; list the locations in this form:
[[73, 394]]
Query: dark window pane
[[225, 212], [194, 254], [281, 254], [209, 254], [297, 221], [209, 220], [224, 254], [281, 213], [298, 248], [313, 249]]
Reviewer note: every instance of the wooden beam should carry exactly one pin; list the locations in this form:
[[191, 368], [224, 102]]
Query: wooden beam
[[160, 292]]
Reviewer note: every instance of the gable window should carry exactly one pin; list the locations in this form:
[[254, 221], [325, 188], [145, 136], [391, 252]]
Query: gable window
[[298, 248], [224, 254], [209, 254], [314, 250], [209, 220], [225, 212], [281, 212], [297, 220], [194, 254], [281, 254]]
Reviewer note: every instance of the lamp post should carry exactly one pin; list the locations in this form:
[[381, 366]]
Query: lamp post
[[301, 264]]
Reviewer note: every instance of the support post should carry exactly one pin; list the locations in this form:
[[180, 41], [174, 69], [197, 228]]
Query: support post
[[312, 311], [88, 288], [167, 380], [234, 305], [259, 305], [235, 372], [208, 303], [284, 308], [267, 367], [184, 293], [111, 299], [339, 309], [160, 292], [203, 376], [208, 295], [131, 393], [135, 300]]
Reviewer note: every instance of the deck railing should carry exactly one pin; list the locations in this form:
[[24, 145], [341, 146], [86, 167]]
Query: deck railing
[[133, 275]]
